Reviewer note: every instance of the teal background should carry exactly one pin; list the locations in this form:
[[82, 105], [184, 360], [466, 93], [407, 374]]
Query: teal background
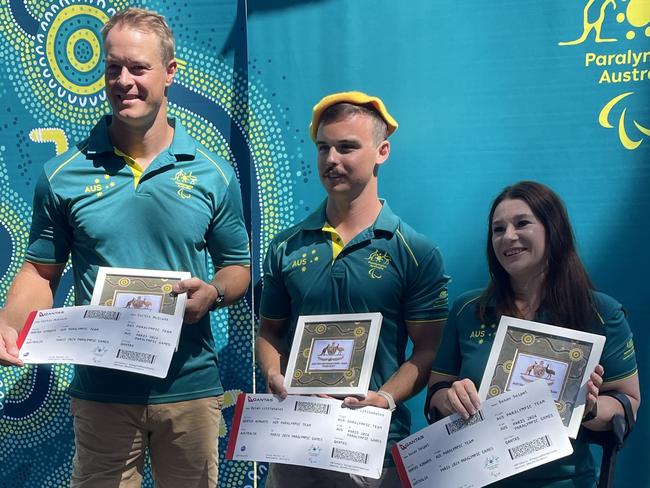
[[484, 96]]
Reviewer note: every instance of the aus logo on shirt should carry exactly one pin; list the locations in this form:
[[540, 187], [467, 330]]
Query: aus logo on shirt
[[100, 186], [483, 333], [618, 64], [304, 260]]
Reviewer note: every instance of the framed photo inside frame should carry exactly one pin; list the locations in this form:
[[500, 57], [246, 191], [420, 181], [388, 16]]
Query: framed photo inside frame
[[142, 289], [333, 354], [525, 351]]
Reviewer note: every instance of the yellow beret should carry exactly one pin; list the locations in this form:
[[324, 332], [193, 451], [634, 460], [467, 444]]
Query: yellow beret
[[355, 98]]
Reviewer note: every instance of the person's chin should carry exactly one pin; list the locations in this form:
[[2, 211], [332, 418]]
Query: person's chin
[[128, 116], [520, 271], [333, 185]]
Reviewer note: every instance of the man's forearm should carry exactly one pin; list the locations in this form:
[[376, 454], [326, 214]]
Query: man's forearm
[[233, 282], [411, 376], [271, 350], [269, 359], [33, 288], [414, 373]]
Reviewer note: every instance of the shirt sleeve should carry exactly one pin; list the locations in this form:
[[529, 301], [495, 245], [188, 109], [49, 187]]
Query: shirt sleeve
[[426, 296], [50, 235], [618, 358], [276, 301], [227, 238], [448, 358]]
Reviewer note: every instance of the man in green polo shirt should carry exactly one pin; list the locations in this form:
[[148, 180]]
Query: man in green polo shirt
[[354, 255], [138, 193]]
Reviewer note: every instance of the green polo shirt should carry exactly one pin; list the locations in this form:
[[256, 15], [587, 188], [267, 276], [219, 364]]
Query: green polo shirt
[[464, 353], [94, 204], [387, 268]]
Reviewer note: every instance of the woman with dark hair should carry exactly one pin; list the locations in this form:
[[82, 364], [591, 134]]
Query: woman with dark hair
[[535, 274]]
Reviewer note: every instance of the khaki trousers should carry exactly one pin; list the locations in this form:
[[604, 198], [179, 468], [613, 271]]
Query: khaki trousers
[[111, 438]]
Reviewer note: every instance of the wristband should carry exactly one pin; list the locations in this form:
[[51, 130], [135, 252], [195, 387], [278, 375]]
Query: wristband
[[219, 300], [389, 398]]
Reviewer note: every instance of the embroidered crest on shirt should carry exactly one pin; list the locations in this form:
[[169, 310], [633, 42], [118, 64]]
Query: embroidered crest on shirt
[[377, 262], [185, 183], [100, 186]]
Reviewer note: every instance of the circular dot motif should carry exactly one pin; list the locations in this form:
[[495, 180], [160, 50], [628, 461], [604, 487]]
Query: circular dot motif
[[575, 354], [73, 51], [494, 391], [507, 366]]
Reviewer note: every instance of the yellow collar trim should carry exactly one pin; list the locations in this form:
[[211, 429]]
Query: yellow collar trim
[[337, 242], [136, 169]]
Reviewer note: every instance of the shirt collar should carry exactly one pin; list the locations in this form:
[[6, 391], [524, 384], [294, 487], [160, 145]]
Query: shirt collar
[[386, 221], [182, 147]]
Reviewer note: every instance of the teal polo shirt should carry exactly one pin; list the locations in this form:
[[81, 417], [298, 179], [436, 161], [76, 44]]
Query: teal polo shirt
[[464, 353], [387, 268], [95, 204]]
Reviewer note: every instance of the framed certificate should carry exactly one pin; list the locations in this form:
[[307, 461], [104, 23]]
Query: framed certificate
[[139, 289], [525, 351], [333, 354]]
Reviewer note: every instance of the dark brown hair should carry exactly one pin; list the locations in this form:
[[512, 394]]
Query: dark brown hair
[[343, 110], [567, 289]]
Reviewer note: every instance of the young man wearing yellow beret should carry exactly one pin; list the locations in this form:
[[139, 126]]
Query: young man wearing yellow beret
[[360, 257]]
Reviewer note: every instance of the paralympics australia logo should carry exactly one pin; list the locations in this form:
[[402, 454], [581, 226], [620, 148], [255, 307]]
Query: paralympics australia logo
[[378, 261], [185, 183], [313, 452], [610, 26]]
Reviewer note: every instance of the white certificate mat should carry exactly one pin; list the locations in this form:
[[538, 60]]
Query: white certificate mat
[[309, 431], [139, 289], [525, 351], [138, 341], [511, 433]]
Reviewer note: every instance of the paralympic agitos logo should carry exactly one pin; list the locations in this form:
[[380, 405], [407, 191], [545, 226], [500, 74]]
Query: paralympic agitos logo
[[615, 62]]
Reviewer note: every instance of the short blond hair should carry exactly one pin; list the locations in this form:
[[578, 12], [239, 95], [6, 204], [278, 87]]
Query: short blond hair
[[148, 21]]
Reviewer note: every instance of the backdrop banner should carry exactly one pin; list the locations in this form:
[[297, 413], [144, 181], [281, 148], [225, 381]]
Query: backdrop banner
[[485, 95]]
